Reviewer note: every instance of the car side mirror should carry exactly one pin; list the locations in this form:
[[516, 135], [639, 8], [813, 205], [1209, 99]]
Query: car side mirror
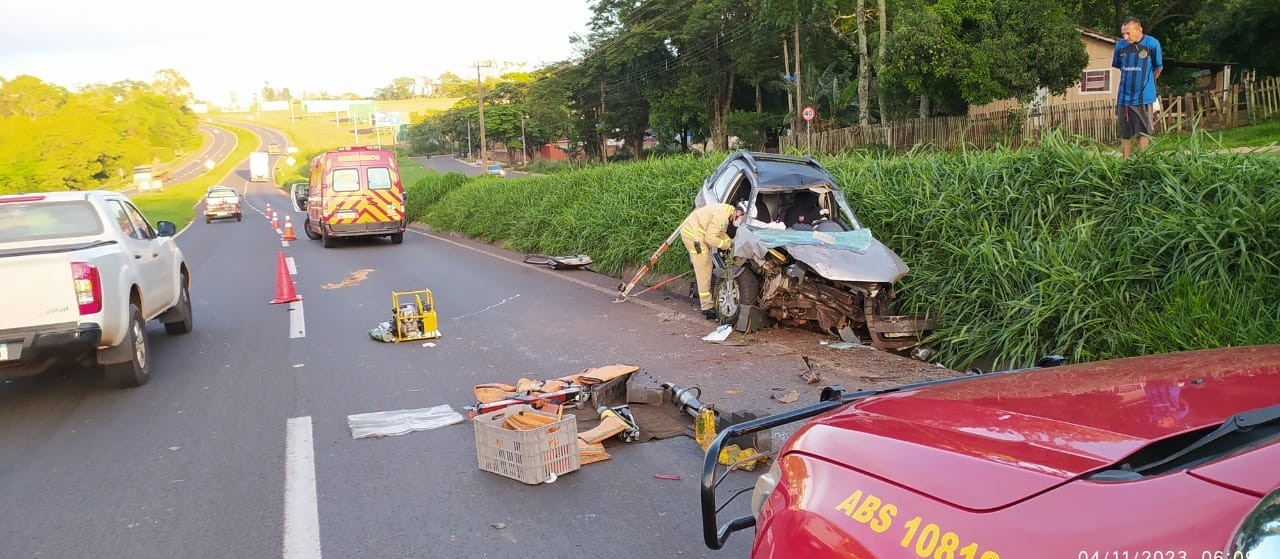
[[166, 229], [300, 196]]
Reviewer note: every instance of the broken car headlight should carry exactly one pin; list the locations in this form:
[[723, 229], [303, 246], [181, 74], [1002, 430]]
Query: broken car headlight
[[765, 485]]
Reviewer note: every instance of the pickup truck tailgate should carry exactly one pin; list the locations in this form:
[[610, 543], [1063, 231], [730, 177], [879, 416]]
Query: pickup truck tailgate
[[39, 291]]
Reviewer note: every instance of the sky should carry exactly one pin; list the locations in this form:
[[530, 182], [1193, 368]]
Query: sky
[[318, 45]]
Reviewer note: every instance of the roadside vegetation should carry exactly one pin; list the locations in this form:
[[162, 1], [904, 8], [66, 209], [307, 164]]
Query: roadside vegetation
[[55, 139], [1060, 248]]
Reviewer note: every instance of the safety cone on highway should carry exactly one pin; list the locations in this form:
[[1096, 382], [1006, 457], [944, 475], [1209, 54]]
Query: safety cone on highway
[[275, 223], [288, 230], [285, 292], [269, 214]]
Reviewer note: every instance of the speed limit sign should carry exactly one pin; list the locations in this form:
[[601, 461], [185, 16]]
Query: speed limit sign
[[808, 113]]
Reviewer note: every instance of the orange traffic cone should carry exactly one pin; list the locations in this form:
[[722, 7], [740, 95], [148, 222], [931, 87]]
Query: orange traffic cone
[[285, 292], [268, 210], [275, 223], [288, 230]]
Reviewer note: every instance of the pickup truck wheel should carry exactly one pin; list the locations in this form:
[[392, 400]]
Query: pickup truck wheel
[[733, 293], [397, 238], [184, 306], [133, 372]]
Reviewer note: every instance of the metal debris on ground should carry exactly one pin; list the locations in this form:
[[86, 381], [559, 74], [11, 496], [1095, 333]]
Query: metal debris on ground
[[571, 262], [672, 477], [810, 374], [399, 422]]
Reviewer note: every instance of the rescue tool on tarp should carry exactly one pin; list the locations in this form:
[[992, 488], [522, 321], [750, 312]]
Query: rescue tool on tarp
[[625, 288], [571, 262]]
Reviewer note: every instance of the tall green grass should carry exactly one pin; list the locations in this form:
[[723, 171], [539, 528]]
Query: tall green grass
[[1064, 249], [1058, 248]]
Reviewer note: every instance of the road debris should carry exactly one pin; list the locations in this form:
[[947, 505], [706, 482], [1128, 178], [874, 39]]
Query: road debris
[[786, 398], [399, 422], [571, 262], [354, 279], [720, 334], [810, 374], [672, 477]]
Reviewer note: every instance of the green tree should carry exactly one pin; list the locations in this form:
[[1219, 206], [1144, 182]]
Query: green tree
[[974, 52], [1243, 31]]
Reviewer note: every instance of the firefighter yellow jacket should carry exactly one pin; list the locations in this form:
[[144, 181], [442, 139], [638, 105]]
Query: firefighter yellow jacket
[[709, 225]]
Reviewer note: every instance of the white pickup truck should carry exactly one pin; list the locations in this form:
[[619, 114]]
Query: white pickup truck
[[80, 274]]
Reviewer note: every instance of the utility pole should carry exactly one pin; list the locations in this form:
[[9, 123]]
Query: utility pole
[[524, 147], [480, 89], [799, 91], [604, 136]]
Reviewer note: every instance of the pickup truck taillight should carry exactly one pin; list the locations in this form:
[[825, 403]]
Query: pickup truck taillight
[[88, 287]]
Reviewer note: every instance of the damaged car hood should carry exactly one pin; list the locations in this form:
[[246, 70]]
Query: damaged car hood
[[844, 256], [877, 264]]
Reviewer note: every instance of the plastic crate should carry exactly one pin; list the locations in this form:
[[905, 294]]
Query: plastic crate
[[531, 456]]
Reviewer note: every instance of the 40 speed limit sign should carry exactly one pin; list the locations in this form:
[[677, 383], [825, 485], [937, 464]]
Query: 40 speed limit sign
[[808, 113]]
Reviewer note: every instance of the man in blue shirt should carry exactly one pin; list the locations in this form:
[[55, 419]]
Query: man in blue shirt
[[1140, 61]]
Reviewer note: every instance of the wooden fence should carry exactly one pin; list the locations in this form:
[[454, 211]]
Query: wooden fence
[[1215, 110]]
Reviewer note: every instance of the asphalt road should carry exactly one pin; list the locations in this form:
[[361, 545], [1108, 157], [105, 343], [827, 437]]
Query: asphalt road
[[194, 464], [446, 163]]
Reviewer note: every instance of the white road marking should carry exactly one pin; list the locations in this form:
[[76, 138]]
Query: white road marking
[[284, 243], [293, 269], [301, 511], [297, 323]]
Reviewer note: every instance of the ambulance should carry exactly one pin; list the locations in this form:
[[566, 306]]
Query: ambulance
[[353, 192]]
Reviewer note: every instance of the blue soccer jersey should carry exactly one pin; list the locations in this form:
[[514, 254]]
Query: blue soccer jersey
[[1137, 63]]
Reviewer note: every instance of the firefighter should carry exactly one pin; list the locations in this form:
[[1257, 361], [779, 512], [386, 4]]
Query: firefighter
[[705, 230]]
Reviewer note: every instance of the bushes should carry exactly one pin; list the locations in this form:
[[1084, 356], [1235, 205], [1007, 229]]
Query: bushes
[[1053, 249]]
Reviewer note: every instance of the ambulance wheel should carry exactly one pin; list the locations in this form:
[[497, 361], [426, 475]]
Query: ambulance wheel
[[306, 228], [397, 238]]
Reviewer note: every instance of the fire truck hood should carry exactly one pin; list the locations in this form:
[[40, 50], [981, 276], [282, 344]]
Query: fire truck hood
[[988, 442]]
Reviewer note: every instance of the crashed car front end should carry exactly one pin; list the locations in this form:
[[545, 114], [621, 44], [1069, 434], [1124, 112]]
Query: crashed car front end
[[842, 282]]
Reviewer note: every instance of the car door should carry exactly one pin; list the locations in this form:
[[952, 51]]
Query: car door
[[717, 188], [144, 254]]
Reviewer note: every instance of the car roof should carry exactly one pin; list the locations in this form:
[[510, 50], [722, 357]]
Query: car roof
[[790, 174]]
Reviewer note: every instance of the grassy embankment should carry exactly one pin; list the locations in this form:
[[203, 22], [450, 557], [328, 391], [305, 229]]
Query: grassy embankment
[[175, 202], [1060, 248]]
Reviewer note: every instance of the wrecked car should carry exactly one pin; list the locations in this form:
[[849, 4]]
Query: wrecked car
[[802, 258]]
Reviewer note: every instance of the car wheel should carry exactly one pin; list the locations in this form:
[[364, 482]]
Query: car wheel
[[133, 372], [184, 305], [207, 220], [306, 228], [326, 239], [733, 293], [237, 218], [397, 238]]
